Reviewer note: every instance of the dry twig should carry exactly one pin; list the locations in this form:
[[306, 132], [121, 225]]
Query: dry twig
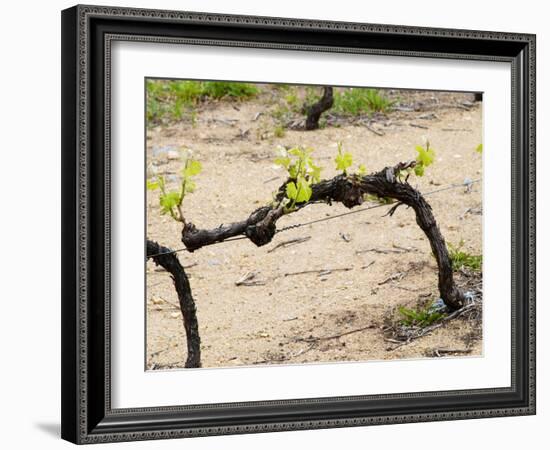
[[334, 336], [318, 271], [249, 279], [289, 242]]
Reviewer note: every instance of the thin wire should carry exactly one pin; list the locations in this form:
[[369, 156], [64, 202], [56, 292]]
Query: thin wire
[[235, 238], [324, 219]]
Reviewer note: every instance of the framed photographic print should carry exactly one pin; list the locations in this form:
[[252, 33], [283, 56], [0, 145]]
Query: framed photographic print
[[278, 224]]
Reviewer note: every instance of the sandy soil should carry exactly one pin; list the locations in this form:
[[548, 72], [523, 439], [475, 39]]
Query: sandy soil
[[279, 322]]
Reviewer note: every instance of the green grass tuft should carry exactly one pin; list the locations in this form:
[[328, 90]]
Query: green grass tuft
[[461, 259], [421, 317], [225, 89], [279, 131], [177, 99], [357, 101]]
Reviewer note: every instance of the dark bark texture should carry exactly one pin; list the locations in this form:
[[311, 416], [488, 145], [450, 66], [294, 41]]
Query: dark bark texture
[[406, 194], [314, 111], [260, 226], [170, 262]]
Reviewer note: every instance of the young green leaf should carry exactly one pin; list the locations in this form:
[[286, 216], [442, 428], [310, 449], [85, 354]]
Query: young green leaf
[[283, 161], [192, 168], [424, 158], [425, 155], [293, 171], [152, 185], [301, 152], [479, 148], [169, 201], [343, 160], [362, 170], [291, 190], [315, 173], [419, 170], [304, 191], [302, 173]]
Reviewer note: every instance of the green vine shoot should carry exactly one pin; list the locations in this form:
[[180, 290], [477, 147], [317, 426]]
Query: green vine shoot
[[171, 201], [302, 173]]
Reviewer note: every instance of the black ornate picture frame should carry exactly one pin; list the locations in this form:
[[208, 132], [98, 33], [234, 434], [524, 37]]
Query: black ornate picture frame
[[87, 35]]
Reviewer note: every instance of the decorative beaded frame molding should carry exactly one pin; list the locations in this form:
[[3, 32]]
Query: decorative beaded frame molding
[[87, 416]]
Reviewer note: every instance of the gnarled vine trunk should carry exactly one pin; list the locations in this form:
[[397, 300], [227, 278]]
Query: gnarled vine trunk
[[314, 111], [406, 194], [165, 258]]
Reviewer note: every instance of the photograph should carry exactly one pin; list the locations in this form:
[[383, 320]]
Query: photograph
[[303, 224]]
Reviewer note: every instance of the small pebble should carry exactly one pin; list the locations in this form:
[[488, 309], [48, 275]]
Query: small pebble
[[173, 154]]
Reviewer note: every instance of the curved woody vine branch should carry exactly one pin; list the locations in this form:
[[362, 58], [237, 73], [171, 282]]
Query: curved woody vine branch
[[260, 226]]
